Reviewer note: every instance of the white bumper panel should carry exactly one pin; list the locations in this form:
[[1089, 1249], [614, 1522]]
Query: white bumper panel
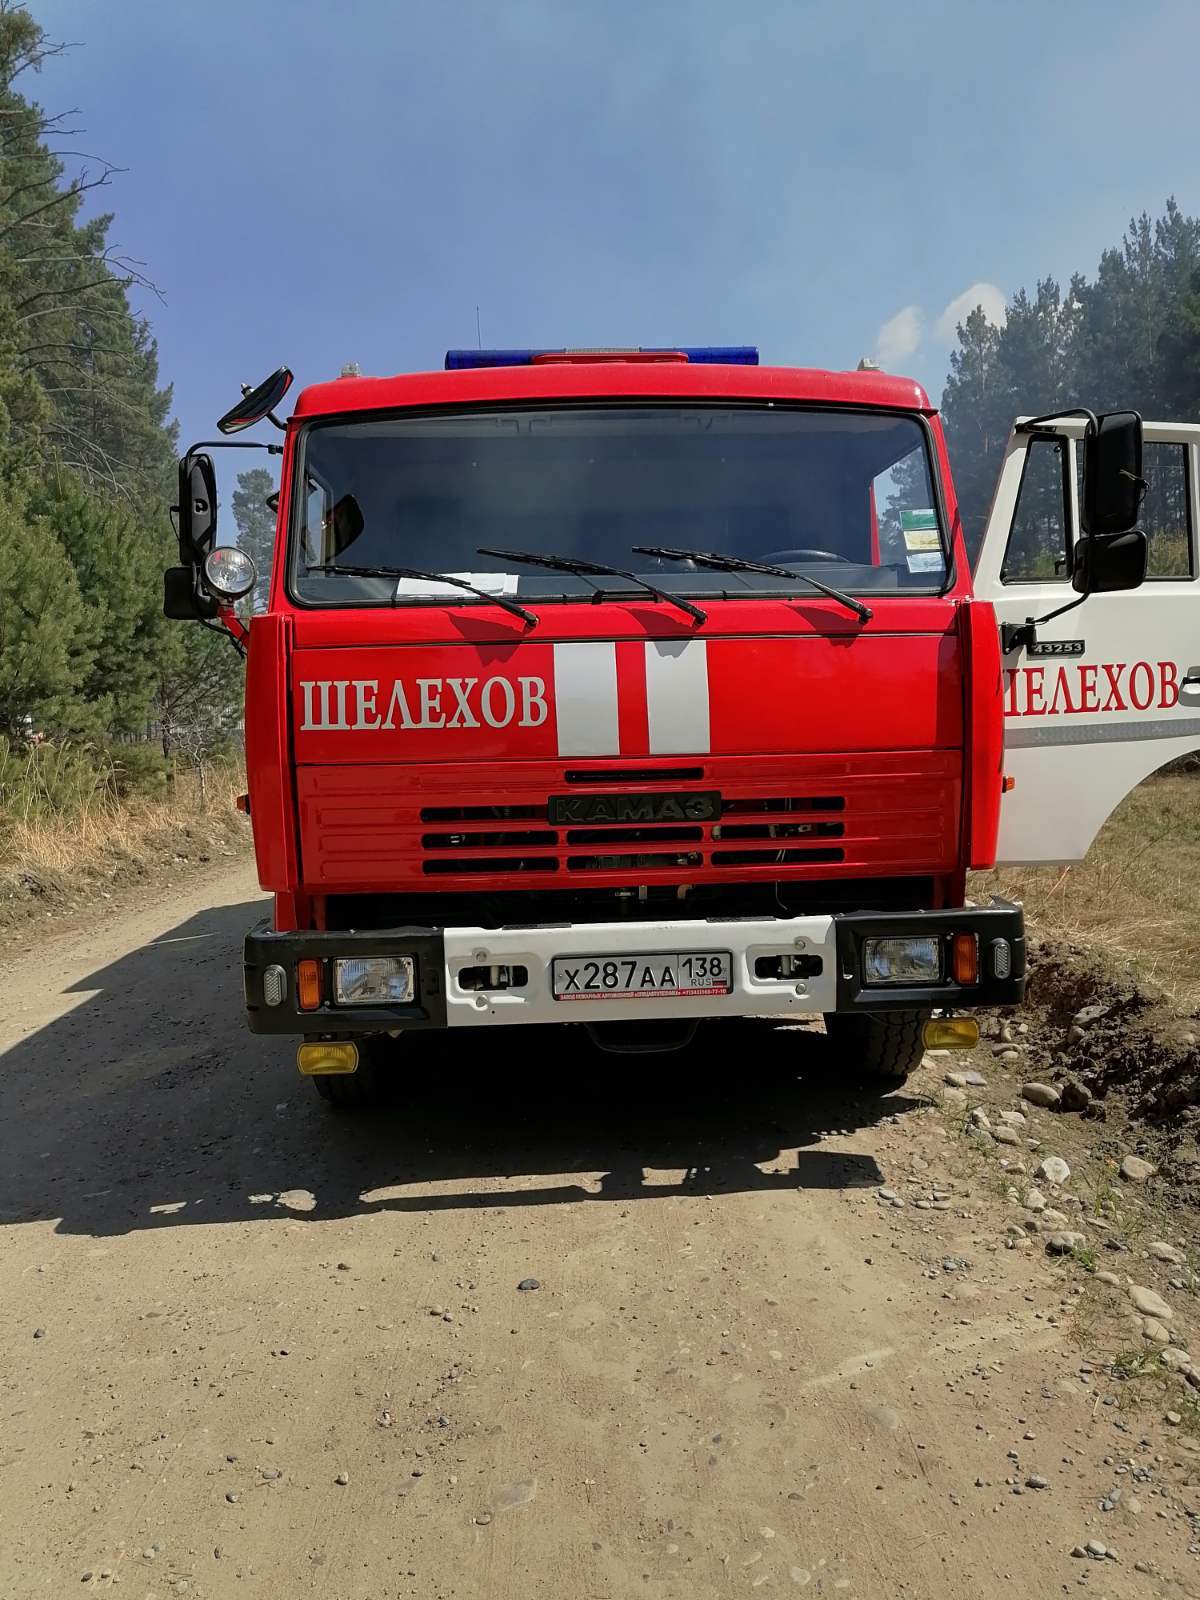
[[535, 949]]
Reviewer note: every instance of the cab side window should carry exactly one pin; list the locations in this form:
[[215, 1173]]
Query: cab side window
[[1038, 550], [1166, 513], [1165, 516]]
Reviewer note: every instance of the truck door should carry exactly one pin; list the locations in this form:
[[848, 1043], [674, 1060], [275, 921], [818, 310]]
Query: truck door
[[1110, 691]]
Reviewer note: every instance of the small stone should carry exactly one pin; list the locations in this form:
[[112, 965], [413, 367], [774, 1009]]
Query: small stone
[[1161, 1251], [39, 1333], [149, 1553], [975, 1080], [1054, 1170], [482, 1518], [1003, 1134], [1053, 1219], [1104, 1276], [1014, 1119], [1150, 1303], [1073, 1096], [1172, 1418], [1041, 1094], [956, 1080], [343, 1266], [342, 1478], [232, 1496], [1079, 1552], [978, 1118], [1135, 1170], [1157, 1332], [270, 1474], [1035, 1200], [1008, 1053], [1175, 1360], [528, 1283], [1061, 1244], [1096, 1550], [1036, 1481]]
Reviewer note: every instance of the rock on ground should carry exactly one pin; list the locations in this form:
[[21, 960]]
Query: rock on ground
[[1041, 1094]]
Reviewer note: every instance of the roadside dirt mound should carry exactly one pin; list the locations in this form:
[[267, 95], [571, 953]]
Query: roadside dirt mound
[[1137, 1056]]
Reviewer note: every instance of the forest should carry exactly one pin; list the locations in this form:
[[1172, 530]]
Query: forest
[[97, 689]]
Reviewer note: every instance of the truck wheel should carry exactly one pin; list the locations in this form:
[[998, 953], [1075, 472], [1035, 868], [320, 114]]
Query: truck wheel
[[355, 1091], [880, 1048]]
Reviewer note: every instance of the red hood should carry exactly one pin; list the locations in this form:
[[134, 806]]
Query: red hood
[[431, 759]]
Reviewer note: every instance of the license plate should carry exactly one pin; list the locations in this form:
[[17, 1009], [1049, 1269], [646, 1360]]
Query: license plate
[[683, 974]]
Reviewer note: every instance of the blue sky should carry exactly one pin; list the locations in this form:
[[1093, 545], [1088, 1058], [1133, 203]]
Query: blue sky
[[313, 183]]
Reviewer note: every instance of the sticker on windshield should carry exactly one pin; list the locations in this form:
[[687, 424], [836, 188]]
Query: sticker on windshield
[[921, 540], [428, 588]]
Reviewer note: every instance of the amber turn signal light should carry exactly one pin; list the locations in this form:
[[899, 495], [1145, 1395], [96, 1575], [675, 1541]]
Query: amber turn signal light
[[964, 958], [950, 1033], [308, 984]]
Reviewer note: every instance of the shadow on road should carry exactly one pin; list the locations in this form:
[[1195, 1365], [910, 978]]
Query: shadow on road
[[149, 1105]]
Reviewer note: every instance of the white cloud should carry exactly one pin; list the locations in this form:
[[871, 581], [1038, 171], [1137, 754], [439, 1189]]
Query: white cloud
[[899, 337], [988, 295]]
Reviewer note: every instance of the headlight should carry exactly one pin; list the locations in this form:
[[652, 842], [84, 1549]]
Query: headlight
[[373, 980], [902, 960], [229, 572]]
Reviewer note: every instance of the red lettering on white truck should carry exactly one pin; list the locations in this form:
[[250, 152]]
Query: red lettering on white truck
[[1074, 689]]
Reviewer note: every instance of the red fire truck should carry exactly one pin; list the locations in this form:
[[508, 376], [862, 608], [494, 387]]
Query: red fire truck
[[627, 689]]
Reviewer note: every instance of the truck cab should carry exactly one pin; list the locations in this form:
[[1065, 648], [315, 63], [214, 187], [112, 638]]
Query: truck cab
[[629, 689]]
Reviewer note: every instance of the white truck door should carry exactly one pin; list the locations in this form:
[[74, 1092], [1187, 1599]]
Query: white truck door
[[1110, 691]]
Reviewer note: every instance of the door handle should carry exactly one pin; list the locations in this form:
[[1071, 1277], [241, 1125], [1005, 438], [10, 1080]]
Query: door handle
[[1189, 688]]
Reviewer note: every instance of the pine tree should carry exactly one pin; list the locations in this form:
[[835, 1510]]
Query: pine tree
[[975, 407], [256, 526], [47, 639]]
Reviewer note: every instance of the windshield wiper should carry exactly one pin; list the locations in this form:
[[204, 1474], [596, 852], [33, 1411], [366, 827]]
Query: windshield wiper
[[339, 570], [595, 569], [721, 563]]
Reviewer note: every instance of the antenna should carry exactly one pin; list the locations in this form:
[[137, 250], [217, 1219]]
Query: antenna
[[478, 335]]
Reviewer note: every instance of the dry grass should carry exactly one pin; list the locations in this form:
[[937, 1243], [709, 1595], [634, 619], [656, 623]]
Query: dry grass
[[53, 860], [1135, 895]]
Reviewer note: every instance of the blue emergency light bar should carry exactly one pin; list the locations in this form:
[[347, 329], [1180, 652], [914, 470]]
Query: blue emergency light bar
[[727, 355]]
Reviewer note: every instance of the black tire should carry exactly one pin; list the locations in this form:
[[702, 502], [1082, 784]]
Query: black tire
[[360, 1090], [883, 1048]]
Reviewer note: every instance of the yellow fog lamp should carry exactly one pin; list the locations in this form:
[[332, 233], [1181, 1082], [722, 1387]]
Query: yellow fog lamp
[[951, 1033], [315, 1058]]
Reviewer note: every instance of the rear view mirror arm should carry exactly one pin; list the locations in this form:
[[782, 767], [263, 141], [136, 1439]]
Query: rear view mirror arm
[[1032, 424], [234, 444], [1014, 635]]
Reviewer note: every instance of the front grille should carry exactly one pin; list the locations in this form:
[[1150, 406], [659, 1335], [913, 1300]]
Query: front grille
[[471, 864], [614, 777], [609, 842], [781, 817], [489, 841]]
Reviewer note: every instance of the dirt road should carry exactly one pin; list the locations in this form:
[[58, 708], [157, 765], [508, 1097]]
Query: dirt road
[[255, 1348]]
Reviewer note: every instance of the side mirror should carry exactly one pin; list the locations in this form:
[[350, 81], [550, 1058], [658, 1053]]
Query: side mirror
[[183, 601], [196, 514], [1105, 562], [258, 403], [1113, 485]]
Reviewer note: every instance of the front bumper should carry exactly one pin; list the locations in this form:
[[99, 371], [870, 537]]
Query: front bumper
[[825, 953]]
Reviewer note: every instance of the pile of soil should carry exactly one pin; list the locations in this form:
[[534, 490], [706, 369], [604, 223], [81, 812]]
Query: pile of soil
[[1136, 1054]]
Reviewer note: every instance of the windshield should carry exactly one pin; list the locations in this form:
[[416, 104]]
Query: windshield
[[846, 496]]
